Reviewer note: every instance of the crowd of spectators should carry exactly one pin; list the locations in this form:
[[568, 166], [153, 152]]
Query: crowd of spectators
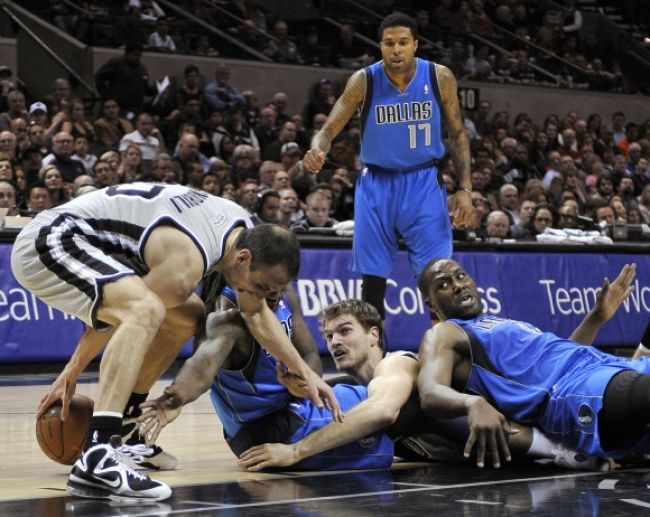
[[568, 171], [520, 41]]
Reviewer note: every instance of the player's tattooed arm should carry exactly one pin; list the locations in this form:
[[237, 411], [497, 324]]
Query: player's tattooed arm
[[459, 142], [461, 205], [342, 112]]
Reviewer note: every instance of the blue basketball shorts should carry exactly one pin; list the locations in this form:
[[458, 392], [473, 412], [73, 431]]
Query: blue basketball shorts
[[389, 205]]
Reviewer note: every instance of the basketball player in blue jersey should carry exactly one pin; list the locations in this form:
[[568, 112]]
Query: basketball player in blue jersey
[[403, 103], [252, 405], [493, 369], [126, 261], [352, 330]]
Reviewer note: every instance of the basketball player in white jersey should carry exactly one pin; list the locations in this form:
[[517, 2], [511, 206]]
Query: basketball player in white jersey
[[126, 260]]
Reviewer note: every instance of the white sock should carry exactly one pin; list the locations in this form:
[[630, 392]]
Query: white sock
[[541, 445]]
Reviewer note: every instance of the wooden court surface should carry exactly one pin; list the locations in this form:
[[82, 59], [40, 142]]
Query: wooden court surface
[[207, 480]]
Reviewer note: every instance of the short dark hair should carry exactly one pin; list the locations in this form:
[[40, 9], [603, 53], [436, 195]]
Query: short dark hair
[[398, 20], [425, 274], [191, 68], [365, 313], [270, 245]]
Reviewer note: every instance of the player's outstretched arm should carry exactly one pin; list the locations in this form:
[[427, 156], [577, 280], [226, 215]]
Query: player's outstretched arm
[[63, 388], [266, 329], [389, 390], [341, 113], [608, 301], [302, 338], [194, 378], [440, 352]]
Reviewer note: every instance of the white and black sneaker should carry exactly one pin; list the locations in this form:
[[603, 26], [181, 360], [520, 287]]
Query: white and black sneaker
[[100, 474], [576, 460], [138, 455]]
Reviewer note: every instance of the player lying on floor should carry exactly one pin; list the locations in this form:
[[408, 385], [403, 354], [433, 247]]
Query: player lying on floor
[[352, 329], [253, 406], [393, 384], [493, 369]]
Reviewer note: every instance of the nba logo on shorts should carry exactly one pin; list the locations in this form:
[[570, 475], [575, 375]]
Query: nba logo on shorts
[[585, 415], [368, 441]]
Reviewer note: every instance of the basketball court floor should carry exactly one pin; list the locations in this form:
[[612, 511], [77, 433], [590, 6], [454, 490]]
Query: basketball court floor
[[208, 481]]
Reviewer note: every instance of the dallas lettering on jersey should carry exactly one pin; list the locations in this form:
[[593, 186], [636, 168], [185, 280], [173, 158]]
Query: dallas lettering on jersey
[[188, 200], [402, 112]]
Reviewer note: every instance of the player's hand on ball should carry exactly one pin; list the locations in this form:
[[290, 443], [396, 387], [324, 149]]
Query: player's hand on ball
[[157, 413], [63, 389]]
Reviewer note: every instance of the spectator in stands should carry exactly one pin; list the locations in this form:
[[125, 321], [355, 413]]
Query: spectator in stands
[[625, 190], [211, 184], [631, 135], [281, 180], [162, 167], [568, 217], [310, 50], [51, 177], [16, 107], [193, 175], [526, 209], [247, 193], [220, 94], [85, 180], [145, 136], [280, 102], [110, 127], [8, 196], [605, 215], [126, 79], [191, 88], [509, 202], [346, 53], [59, 98], [267, 172], [113, 158], [618, 126], [129, 29], [497, 225], [37, 199], [571, 18], [19, 128], [6, 166], [288, 133], [32, 161], [238, 129], [544, 216], [82, 153], [644, 203], [266, 208], [482, 119], [290, 154], [478, 67], [265, 131], [502, 71], [321, 100], [61, 156], [75, 122], [620, 210], [105, 175], [521, 70], [641, 174], [316, 214], [598, 78], [289, 211], [7, 84], [455, 59], [160, 40], [280, 48], [38, 115], [245, 163], [569, 144], [188, 152], [203, 47], [131, 165]]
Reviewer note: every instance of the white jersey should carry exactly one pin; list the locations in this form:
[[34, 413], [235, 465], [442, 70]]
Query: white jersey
[[125, 215]]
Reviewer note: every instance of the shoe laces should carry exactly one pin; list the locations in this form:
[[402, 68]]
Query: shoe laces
[[139, 449], [118, 456]]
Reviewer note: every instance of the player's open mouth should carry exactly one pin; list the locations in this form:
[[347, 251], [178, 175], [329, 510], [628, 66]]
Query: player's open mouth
[[466, 300], [338, 353]]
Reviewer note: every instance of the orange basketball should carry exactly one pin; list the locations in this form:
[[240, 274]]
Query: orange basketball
[[63, 441]]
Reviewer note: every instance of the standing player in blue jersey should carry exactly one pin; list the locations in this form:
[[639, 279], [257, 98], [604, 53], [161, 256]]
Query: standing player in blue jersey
[[491, 369], [403, 101]]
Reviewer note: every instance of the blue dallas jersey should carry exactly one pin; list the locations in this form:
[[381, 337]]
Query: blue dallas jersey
[[540, 379], [239, 396], [401, 131]]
